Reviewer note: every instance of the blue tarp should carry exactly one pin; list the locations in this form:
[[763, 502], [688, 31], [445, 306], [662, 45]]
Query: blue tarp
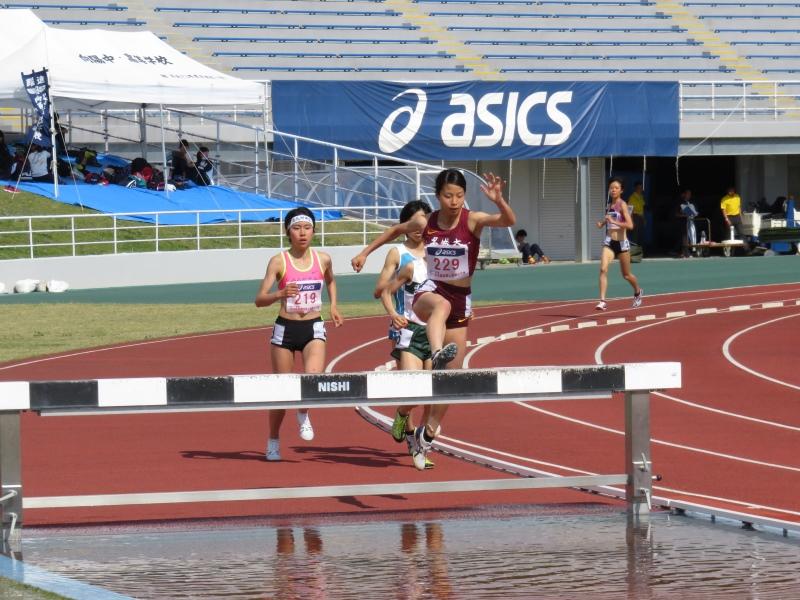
[[224, 202]]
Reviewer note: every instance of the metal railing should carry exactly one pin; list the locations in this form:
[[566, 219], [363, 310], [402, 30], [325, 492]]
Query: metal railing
[[150, 231], [740, 100]]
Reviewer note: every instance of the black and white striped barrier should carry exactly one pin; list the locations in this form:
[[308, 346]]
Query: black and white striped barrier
[[237, 392], [334, 389]]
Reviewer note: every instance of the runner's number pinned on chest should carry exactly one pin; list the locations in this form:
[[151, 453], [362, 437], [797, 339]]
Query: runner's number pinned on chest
[[447, 261], [309, 298]]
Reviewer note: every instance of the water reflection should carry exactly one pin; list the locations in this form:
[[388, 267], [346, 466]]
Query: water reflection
[[603, 555], [299, 575], [639, 544], [426, 568]]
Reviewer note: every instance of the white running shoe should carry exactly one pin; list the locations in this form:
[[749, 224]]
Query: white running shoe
[[601, 305], [273, 450], [420, 450], [306, 430], [637, 298]]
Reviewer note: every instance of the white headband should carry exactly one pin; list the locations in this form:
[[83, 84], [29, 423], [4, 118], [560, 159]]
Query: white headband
[[300, 219]]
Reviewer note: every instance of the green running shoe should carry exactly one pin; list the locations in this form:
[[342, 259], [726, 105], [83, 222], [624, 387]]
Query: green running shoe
[[399, 427]]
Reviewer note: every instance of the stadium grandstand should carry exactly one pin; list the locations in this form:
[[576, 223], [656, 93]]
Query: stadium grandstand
[[735, 63]]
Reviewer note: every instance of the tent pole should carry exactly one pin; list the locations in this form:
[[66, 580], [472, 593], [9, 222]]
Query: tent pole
[[53, 147], [268, 185], [164, 150], [143, 131]]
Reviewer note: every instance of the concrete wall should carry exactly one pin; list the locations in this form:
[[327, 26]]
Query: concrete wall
[[120, 270]]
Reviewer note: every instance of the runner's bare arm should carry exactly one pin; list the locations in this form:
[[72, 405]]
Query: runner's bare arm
[[389, 267], [330, 281], [266, 298], [415, 223], [505, 217], [394, 284]]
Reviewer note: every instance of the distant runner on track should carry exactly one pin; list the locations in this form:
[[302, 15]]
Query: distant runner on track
[[617, 222]]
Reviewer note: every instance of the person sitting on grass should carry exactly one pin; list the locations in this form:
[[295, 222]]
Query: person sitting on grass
[[530, 252]]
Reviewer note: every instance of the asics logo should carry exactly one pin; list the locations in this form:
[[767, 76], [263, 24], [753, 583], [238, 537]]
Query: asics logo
[[309, 287], [448, 252], [492, 119], [390, 141]]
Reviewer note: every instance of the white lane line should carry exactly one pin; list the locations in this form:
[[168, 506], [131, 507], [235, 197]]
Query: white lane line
[[514, 456], [728, 500], [727, 345], [337, 359], [726, 413], [598, 357], [664, 442], [598, 353], [478, 347], [525, 459]]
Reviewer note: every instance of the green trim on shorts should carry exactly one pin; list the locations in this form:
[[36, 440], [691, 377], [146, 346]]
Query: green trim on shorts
[[419, 345]]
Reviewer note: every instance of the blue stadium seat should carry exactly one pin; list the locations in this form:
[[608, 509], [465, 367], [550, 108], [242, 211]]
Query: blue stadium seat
[[96, 22], [353, 26], [38, 6]]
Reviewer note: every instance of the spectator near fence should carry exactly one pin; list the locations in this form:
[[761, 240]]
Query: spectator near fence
[[636, 203], [688, 211], [203, 172], [182, 163], [531, 253], [731, 206]]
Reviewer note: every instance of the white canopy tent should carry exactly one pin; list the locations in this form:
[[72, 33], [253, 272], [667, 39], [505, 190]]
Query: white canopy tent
[[95, 67], [98, 68]]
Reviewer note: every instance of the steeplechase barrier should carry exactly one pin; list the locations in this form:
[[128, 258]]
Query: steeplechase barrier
[[274, 391]]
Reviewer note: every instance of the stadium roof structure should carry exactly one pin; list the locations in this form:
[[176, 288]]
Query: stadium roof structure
[[97, 67]]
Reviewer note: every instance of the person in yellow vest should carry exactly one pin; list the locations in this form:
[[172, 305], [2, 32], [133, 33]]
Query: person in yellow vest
[[636, 203], [731, 206]]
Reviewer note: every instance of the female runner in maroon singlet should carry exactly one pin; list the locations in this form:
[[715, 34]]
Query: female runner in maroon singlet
[[452, 241]]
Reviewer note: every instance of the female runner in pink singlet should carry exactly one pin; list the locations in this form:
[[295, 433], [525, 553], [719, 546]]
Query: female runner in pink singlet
[[301, 273]]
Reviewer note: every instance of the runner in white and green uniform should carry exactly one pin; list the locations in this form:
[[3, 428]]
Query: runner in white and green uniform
[[404, 270]]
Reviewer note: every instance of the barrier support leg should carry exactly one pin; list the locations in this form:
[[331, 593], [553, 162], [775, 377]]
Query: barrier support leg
[[637, 452], [10, 475]]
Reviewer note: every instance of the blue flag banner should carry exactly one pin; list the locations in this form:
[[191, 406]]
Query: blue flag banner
[[479, 120], [38, 91]]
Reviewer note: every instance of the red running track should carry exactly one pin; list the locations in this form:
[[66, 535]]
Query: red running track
[[728, 438]]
